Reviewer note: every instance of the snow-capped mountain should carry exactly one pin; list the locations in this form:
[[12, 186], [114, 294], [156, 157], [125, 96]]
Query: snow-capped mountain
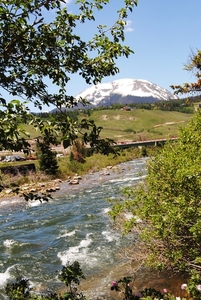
[[125, 91]]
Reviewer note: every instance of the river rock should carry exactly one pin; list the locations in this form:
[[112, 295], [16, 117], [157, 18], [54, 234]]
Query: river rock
[[74, 181]]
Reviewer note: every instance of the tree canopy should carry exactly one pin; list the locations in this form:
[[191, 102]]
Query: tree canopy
[[194, 65], [34, 50]]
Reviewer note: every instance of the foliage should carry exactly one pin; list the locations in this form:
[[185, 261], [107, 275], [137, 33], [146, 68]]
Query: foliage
[[144, 151], [166, 206], [193, 65], [47, 158], [194, 285], [18, 290], [36, 53], [123, 285], [70, 275], [78, 151], [187, 291]]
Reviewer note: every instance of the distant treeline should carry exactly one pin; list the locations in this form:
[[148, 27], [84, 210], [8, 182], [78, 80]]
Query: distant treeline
[[181, 105], [73, 114], [185, 105]]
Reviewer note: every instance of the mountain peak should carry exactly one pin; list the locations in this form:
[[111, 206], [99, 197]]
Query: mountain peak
[[125, 91]]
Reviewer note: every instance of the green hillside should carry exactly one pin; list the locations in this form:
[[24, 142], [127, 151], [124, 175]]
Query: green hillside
[[136, 124], [139, 124]]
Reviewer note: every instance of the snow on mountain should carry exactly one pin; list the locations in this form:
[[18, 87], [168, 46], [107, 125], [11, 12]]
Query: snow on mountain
[[125, 91]]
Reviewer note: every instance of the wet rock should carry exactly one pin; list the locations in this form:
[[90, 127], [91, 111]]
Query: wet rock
[[74, 181], [77, 177], [51, 190]]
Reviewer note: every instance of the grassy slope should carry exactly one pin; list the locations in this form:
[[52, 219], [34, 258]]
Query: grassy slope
[[139, 124]]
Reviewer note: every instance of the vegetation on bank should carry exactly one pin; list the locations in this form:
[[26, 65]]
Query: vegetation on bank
[[165, 209], [71, 274]]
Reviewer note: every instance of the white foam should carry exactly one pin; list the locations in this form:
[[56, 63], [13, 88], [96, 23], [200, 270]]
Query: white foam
[[11, 201], [4, 277], [109, 236], [78, 253], [35, 203], [9, 243], [126, 179], [67, 233], [106, 210]]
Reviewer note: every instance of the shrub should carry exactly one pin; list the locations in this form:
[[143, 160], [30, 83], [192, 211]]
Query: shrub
[[47, 159], [168, 203]]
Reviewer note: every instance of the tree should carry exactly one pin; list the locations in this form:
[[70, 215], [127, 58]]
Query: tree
[[33, 50], [194, 65], [165, 208], [47, 159]]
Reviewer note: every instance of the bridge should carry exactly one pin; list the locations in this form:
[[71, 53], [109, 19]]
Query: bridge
[[156, 142]]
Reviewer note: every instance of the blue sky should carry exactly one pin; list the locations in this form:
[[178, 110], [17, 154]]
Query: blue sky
[[162, 35]]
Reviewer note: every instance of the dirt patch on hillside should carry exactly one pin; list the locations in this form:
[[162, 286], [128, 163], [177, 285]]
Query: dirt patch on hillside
[[168, 123], [117, 117], [104, 117]]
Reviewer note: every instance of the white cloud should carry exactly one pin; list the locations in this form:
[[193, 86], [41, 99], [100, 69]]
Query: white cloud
[[128, 27]]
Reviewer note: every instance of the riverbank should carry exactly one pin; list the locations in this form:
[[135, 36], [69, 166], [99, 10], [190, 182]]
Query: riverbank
[[96, 168], [58, 188]]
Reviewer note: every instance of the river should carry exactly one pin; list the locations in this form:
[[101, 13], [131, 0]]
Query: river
[[37, 239]]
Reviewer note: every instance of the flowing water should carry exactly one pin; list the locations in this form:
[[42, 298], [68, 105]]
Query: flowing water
[[37, 239]]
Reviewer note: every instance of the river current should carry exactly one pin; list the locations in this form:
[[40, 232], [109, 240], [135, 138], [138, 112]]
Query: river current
[[37, 239]]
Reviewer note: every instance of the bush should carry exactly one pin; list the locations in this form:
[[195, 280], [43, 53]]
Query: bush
[[144, 151], [130, 130], [47, 159], [168, 203]]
